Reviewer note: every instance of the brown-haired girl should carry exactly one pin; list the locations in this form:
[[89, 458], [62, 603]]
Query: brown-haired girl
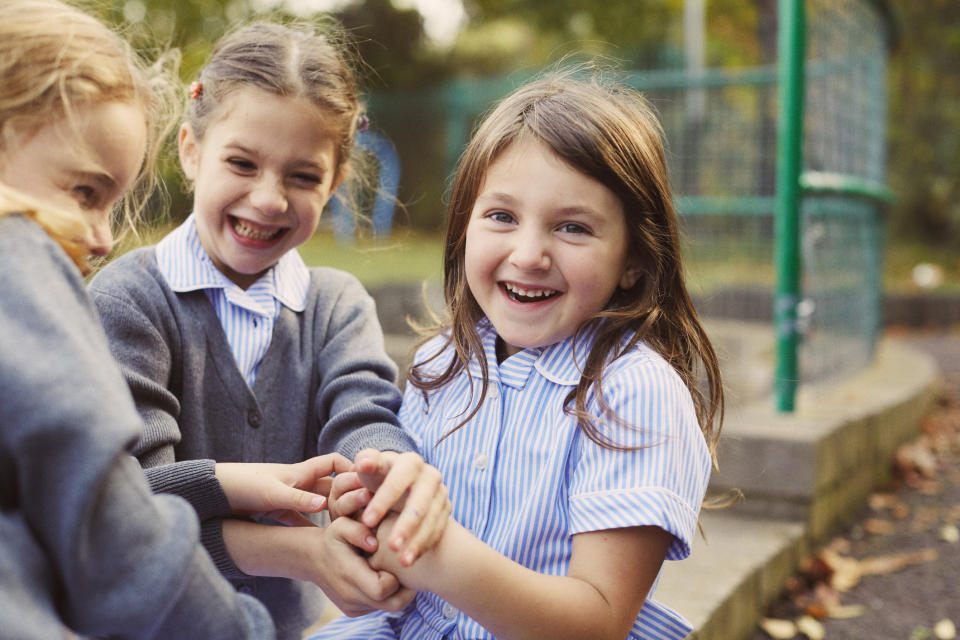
[[235, 351], [560, 401]]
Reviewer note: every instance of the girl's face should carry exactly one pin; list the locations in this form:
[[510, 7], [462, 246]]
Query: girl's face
[[546, 247], [84, 164], [262, 175]]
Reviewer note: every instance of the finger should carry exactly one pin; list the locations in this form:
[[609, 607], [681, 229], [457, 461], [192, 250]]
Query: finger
[[429, 532], [427, 489], [350, 503], [403, 473], [399, 600], [284, 497], [372, 466], [317, 467], [354, 533]]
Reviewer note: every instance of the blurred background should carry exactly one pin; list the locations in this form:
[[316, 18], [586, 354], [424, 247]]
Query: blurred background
[[881, 137]]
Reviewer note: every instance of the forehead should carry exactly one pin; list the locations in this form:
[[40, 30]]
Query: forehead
[[251, 116]]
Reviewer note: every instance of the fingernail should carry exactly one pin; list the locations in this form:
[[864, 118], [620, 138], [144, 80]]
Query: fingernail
[[317, 503], [371, 541]]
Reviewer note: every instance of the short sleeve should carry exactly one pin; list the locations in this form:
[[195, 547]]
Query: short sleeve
[[661, 477]]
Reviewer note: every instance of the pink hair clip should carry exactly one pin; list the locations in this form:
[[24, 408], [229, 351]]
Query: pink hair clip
[[196, 89], [362, 122]]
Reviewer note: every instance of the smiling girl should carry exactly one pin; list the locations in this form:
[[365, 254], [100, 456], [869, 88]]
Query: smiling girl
[[235, 351], [560, 401]]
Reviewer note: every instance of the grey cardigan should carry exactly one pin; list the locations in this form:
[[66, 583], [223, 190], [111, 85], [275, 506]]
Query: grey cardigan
[[325, 384], [84, 544]]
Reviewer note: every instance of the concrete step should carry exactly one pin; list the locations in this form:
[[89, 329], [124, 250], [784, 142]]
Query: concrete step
[[732, 574]]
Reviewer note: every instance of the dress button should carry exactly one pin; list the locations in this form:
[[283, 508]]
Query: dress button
[[245, 588], [254, 418], [493, 394], [449, 611], [480, 462]]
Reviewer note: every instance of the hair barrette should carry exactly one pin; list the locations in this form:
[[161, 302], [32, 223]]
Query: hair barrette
[[362, 122], [196, 89]]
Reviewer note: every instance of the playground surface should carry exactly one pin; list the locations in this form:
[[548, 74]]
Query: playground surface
[[900, 553]]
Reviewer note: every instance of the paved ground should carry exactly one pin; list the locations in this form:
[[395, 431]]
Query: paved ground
[[911, 524]]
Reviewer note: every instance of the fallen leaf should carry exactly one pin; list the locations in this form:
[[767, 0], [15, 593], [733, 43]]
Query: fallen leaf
[[846, 611], [881, 501], [950, 533], [811, 628], [778, 629], [848, 571], [945, 630]]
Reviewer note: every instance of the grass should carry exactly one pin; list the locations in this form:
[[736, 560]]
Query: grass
[[406, 256]]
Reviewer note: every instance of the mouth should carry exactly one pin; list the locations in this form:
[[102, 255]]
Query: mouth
[[253, 231], [528, 294]]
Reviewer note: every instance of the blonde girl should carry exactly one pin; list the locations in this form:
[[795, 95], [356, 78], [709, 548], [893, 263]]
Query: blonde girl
[[86, 547], [561, 401], [236, 351]]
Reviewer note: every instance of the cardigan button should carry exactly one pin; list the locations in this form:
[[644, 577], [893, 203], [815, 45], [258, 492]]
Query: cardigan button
[[254, 418]]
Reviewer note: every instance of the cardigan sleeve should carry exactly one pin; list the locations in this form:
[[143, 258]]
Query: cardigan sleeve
[[144, 349], [357, 397], [127, 562]]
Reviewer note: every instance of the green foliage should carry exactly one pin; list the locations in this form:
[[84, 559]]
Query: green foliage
[[925, 121]]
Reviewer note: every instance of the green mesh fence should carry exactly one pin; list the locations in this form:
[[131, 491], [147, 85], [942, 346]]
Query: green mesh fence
[[721, 129]]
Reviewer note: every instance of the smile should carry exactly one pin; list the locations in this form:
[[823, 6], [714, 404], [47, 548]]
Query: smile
[[253, 231], [519, 294]]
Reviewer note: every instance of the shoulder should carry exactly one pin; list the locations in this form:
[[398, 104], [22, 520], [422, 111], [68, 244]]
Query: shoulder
[[333, 286], [32, 258], [135, 271]]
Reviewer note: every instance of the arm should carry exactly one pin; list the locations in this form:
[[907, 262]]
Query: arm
[[329, 557], [611, 573], [357, 399], [127, 561], [124, 293]]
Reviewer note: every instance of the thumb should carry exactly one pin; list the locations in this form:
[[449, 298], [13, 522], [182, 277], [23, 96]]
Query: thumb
[[298, 500]]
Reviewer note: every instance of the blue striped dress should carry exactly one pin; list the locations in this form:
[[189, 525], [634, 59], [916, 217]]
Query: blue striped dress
[[524, 478]]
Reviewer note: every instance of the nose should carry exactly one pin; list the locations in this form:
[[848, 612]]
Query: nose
[[530, 251], [100, 239], [268, 196]]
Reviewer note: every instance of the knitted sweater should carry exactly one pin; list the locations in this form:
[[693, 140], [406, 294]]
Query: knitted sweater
[[85, 545], [325, 384]]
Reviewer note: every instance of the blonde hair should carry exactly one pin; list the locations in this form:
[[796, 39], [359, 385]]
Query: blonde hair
[[610, 133], [57, 59]]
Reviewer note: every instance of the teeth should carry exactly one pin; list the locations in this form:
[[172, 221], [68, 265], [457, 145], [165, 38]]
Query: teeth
[[529, 293], [249, 232]]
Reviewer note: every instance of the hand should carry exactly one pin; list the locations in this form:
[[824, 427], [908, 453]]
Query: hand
[[346, 578], [282, 491], [404, 483]]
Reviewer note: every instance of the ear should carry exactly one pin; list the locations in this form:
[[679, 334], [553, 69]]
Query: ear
[[631, 273], [189, 151], [339, 178]]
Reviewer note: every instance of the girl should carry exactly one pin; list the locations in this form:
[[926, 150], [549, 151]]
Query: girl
[[560, 401], [86, 547], [236, 351]]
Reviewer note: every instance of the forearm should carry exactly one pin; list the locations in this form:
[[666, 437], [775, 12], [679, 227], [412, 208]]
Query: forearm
[[276, 551], [509, 600]]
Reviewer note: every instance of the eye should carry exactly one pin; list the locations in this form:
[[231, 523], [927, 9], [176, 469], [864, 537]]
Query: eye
[[573, 227], [500, 216], [307, 179], [241, 165], [85, 195]]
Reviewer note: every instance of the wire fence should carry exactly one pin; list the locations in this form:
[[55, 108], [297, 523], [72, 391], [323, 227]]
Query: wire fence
[[721, 130]]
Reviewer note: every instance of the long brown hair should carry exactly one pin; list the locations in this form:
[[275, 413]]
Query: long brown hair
[[610, 133]]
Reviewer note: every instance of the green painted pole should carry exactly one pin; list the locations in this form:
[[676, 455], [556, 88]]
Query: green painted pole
[[790, 52]]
